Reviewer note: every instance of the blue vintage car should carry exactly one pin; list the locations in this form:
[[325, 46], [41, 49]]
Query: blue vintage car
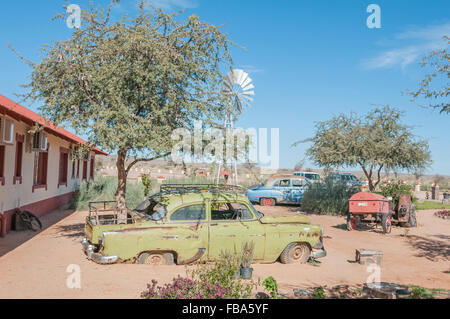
[[280, 190]]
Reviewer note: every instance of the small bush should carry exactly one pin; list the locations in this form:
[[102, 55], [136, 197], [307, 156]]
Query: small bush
[[327, 197], [394, 189], [217, 281], [271, 285], [104, 188], [418, 292]]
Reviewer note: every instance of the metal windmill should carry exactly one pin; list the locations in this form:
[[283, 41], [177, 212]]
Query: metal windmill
[[238, 87]]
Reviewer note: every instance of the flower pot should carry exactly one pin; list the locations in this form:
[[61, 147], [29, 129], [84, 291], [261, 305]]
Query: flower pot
[[246, 272]]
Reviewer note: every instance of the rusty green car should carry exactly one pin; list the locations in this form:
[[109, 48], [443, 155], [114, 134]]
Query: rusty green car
[[186, 224]]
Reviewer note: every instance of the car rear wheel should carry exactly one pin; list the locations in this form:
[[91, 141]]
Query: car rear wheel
[[157, 258], [295, 253], [352, 221], [265, 201], [386, 223]]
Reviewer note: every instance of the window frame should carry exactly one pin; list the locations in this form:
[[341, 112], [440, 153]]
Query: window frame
[[255, 218], [18, 166], [36, 169], [63, 156], [169, 216], [2, 164]]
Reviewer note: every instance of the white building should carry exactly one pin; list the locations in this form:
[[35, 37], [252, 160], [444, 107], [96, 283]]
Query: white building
[[37, 171]]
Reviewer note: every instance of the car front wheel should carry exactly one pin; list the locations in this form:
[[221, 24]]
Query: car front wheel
[[295, 253], [156, 258]]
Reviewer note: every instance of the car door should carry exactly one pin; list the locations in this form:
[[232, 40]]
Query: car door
[[187, 232], [297, 190], [284, 187], [233, 223]]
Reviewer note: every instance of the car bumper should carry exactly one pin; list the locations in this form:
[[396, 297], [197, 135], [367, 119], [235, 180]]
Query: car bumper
[[96, 257], [320, 253]]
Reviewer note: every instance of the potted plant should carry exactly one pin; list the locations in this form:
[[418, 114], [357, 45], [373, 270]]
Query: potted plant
[[247, 259]]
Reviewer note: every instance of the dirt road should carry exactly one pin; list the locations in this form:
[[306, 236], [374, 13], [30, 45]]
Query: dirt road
[[37, 268]]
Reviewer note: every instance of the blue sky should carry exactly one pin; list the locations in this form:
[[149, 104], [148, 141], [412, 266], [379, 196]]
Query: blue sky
[[309, 60]]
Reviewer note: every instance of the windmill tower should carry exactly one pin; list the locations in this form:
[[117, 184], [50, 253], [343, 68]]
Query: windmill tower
[[238, 87]]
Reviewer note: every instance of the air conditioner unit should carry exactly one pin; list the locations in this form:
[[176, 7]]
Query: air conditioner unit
[[6, 131], [39, 142]]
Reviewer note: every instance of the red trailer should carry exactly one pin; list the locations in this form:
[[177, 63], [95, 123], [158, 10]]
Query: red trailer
[[365, 204]]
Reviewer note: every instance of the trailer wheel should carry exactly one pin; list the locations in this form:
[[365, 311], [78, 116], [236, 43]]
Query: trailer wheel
[[412, 221], [295, 253], [351, 222], [156, 258], [386, 223], [265, 201]]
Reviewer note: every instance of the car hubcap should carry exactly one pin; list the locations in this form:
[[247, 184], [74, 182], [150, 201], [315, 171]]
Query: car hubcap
[[298, 252], [388, 224], [154, 260], [267, 202]]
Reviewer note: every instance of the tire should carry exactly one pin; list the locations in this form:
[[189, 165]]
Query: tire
[[295, 253], [412, 221], [386, 223], [351, 222], [266, 201], [156, 258]]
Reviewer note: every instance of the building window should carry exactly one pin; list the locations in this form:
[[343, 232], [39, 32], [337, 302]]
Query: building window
[[63, 166], [78, 168], [2, 164], [19, 155], [73, 168], [40, 170], [92, 167], [85, 166]]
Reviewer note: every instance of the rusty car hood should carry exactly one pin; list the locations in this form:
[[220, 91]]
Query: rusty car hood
[[297, 219]]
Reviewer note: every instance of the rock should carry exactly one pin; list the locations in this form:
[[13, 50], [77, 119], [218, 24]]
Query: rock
[[383, 290], [302, 293]]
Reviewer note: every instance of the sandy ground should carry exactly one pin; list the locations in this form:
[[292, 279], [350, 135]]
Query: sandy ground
[[35, 265]]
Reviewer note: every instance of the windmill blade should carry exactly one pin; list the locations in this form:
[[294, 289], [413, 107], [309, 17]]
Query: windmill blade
[[249, 93], [240, 74], [248, 98], [247, 80], [227, 86], [248, 87]]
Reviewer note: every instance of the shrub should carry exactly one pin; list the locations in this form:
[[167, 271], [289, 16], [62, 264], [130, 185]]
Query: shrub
[[271, 285], [394, 189], [217, 281], [327, 197], [104, 188], [418, 292], [148, 184]]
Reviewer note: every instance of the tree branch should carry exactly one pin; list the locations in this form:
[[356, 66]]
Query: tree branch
[[145, 160]]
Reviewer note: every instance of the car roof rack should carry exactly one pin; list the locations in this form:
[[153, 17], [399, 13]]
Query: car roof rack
[[195, 188]]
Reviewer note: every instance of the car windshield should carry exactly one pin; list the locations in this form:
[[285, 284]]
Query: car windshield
[[151, 208], [314, 177], [258, 214]]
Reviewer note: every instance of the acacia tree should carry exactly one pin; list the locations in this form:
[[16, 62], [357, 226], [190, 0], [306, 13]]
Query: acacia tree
[[376, 141], [128, 84], [439, 62]]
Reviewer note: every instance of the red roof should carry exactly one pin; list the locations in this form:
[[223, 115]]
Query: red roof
[[27, 116]]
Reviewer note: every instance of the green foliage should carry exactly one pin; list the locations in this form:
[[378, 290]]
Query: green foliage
[[104, 188], [327, 197], [372, 142], [319, 293], [189, 180], [394, 189], [148, 184], [431, 205], [418, 292], [271, 285], [439, 63]]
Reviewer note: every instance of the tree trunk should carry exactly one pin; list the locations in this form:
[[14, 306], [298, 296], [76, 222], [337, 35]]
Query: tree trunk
[[121, 187]]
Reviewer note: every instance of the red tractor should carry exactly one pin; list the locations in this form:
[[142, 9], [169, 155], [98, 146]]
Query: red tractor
[[381, 209]]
